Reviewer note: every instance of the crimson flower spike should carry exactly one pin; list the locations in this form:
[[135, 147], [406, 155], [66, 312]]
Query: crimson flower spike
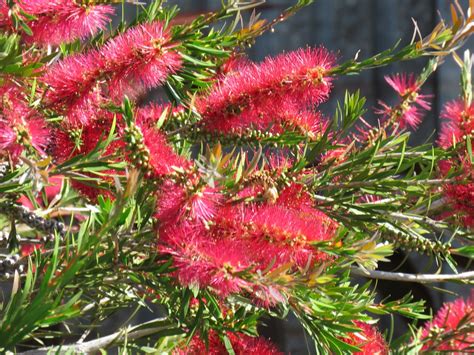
[[208, 260], [285, 234], [138, 59], [74, 88], [59, 21], [20, 126], [271, 96], [457, 127], [241, 344], [369, 340], [147, 147], [409, 111], [448, 319], [458, 123]]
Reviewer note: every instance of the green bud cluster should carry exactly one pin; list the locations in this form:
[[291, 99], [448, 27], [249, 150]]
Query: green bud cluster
[[137, 151], [417, 243]]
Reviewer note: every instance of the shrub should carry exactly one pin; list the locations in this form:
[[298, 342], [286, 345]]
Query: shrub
[[235, 199]]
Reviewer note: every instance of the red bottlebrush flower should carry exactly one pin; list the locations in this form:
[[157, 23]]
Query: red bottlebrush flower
[[240, 241], [460, 193], [5, 19], [162, 158], [279, 234], [282, 223], [369, 340], [459, 123], [409, 111], [142, 57], [461, 198], [448, 319], [62, 21], [290, 232], [74, 90], [252, 98], [68, 143], [176, 205], [203, 260], [241, 344], [20, 126]]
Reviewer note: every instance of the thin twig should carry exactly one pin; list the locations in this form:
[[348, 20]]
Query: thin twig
[[93, 346], [437, 225], [355, 184], [433, 206], [420, 278]]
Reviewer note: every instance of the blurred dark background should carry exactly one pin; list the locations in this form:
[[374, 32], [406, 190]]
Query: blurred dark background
[[366, 27]]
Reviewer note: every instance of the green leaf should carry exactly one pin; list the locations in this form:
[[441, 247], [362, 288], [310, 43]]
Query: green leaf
[[467, 251]]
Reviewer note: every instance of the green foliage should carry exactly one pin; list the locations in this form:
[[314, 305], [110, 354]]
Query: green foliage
[[109, 261]]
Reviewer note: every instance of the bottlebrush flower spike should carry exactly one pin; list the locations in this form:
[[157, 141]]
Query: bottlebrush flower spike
[[191, 206], [148, 149], [458, 123], [460, 193], [282, 234], [239, 238], [409, 112], [63, 21], [288, 232], [369, 340], [461, 199], [449, 319], [20, 126], [281, 223], [206, 260], [241, 344], [140, 58], [74, 90], [69, 142], [252, 98], [5, 19]]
